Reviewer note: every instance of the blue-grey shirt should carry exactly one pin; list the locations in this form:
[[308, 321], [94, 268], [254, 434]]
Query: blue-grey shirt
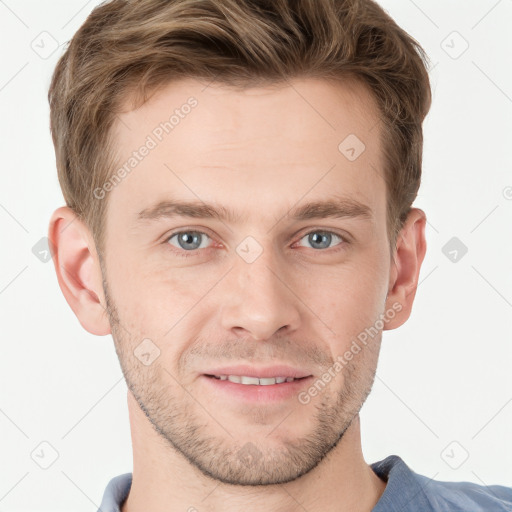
[[405, 491]]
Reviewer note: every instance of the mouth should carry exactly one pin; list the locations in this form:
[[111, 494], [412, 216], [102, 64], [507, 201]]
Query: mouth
[[256, 385], [255, 381]]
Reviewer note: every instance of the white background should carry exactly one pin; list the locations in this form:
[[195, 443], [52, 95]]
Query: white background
[[443, 379]]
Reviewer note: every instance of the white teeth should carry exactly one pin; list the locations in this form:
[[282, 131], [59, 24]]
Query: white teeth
[[248, 380], [268, 381], [261, 381]]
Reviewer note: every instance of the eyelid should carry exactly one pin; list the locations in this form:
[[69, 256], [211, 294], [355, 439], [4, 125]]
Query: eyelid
[[187, 230], [203, 231], [342, 234], [345, 236], [345, 240], [182, 253]]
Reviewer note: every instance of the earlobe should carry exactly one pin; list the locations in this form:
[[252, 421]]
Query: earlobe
[[405, 269], [78, 270]]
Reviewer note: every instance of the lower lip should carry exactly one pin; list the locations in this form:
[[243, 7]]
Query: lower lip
[[257, 393]]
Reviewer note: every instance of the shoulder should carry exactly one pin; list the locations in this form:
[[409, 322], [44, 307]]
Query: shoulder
[[415, 492], [464, 496], [116, 493]]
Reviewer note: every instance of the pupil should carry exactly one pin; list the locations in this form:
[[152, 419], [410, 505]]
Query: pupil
[[317, 239], [186, 238]]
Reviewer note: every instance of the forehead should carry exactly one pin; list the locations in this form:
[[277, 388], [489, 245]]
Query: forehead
[[255, 150]]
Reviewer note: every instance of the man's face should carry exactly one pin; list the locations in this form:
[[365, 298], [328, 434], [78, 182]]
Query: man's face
[[268, 286]]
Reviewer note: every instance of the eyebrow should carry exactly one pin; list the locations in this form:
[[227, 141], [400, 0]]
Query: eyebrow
[[340, 207]]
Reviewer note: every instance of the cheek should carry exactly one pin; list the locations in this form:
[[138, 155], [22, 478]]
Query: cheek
[[347, 299], [158, 303]]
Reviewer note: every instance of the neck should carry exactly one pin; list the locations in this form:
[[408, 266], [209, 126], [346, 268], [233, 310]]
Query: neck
[[164, 480]]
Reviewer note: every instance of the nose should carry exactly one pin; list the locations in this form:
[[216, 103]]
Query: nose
[[259, 300]]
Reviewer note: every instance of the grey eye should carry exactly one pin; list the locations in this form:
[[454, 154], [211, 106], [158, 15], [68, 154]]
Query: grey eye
[[189, 240], [321, 239]]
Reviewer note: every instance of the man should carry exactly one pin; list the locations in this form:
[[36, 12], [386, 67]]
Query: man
[[239, 176]]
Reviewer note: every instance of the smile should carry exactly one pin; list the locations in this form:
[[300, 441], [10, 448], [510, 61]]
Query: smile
[[254, 381]]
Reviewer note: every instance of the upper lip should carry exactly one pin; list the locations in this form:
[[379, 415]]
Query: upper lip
[[266, 371]]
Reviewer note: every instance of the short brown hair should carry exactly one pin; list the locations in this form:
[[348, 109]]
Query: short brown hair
[[130, 48]]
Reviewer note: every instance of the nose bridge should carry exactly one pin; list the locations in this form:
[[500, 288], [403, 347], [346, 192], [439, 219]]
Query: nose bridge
[[258, 298]]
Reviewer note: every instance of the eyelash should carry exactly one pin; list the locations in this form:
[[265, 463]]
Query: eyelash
[[187, 254]]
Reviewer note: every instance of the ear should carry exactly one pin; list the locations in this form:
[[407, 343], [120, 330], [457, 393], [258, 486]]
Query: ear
[[78, 270], [410, 250]]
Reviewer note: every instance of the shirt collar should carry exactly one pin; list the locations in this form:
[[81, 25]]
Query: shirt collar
[[404, 489]]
